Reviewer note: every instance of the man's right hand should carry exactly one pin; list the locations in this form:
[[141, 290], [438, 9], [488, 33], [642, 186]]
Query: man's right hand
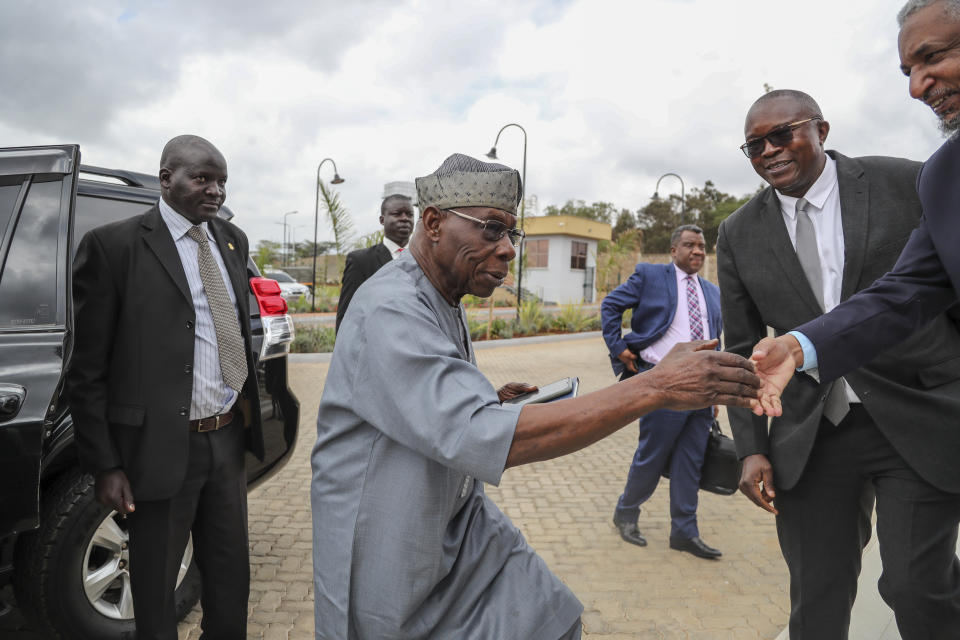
[[629, 358], [112, 489], [758, 471], [694, 375]]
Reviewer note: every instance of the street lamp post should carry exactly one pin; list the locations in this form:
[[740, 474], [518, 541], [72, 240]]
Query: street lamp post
[[316, 216], [492, 154], [286, 262], [683, 206]]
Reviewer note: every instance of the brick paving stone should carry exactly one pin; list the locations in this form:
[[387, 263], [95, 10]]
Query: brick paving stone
[[564, 508]]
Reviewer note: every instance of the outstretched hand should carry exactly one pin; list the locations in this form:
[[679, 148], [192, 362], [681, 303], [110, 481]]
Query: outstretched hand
[[513, 389], [776, 360], [693, 375]]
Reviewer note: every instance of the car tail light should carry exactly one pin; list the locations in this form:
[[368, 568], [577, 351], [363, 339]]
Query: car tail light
[[268, 296], [277, 323]]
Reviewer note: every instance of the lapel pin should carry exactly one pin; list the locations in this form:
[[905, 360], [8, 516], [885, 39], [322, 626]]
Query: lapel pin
[[230, 244]]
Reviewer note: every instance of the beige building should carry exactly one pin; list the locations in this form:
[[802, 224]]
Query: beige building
[[560, 253]]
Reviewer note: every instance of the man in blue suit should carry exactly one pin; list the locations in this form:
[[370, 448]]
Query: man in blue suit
[[924, 282], [670, 304]]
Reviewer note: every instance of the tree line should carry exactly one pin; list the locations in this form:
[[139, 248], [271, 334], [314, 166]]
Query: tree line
[[648, 228]]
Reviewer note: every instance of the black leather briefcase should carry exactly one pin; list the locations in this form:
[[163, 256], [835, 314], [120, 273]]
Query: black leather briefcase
[[721, 468]]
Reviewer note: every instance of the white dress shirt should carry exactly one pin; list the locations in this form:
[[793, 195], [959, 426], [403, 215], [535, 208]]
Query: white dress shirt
[[395, 250], [679, 329], [211, 395], [824, 212]]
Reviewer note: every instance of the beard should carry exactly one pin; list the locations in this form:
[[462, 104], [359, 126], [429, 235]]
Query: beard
[[950, 125]]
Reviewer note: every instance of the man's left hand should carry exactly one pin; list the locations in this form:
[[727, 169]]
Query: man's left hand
[[514, 389]]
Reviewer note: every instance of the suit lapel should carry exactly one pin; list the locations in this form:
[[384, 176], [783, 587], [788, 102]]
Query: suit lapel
[[383, 255], [671, 281], [774, 230], [854, 213], [158, 238]]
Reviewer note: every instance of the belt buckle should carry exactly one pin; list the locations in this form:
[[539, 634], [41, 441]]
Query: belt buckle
[[201, 428]]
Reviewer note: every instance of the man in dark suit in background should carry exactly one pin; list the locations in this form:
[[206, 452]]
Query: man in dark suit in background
[[396, 216], [827, 227], [670, 304], [163, 391]]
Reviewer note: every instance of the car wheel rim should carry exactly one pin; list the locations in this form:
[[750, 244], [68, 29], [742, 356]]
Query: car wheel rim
[[106, 569]]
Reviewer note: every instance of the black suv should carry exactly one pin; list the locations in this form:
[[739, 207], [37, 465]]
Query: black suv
[[65, 553]]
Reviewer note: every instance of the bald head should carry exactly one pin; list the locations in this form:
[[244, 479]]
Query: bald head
[[187, 147], [193, 178], [804, 103]]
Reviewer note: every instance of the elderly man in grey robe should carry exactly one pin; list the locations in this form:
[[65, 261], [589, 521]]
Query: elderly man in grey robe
[[406, 543]]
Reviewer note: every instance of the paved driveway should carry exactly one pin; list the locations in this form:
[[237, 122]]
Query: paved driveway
[[564, 508]]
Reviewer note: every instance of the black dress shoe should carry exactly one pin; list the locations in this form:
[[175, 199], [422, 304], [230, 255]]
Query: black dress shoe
[[696, 546], [630, 533]]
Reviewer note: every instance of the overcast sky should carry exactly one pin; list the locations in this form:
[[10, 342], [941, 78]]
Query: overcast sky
[[611, 94]]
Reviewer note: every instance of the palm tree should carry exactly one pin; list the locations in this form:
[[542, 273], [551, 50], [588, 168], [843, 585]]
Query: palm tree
[[340, 222]]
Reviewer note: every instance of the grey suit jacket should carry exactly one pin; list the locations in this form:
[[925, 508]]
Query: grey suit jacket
[[912, 392]]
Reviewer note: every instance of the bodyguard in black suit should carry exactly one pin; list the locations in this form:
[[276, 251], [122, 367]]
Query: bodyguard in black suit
[[897, 438], [396, 216], [162, 389]]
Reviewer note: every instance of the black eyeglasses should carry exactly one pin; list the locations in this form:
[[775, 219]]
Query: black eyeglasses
[[779, 137], [494, 230]]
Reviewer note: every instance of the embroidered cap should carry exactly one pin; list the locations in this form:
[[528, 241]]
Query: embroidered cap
[[462, 181]]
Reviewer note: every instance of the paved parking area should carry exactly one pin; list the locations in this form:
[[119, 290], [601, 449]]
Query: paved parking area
[[564, 508]]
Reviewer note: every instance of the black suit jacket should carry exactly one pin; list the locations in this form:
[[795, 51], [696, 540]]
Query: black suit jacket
[[360, 265], [130, 375], [762, 284]]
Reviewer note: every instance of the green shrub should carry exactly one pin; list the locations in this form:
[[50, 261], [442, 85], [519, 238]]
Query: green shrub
[[531, 318], [313, 340], [573, 318]]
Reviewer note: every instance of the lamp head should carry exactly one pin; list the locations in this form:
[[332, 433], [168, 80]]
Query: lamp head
[[336, 179], [492, 154]]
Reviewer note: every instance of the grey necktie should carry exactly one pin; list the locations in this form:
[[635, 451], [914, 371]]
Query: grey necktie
[[836, 405], [233, 360]]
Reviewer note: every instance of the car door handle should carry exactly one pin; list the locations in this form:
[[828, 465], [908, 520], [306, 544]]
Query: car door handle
[[11, 399]]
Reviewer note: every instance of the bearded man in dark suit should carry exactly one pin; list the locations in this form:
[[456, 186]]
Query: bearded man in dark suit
[[162, 389], [396, 216], [885, 433]]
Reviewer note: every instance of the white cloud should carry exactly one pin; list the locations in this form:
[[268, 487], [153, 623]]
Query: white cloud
[[611, 93]]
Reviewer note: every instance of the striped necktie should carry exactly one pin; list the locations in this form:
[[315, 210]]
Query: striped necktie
[[693, 309]]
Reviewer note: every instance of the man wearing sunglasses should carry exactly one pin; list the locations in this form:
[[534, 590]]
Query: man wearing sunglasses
[[827, 227], [406, 543]]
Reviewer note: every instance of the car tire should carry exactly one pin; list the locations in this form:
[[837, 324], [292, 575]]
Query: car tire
[[53, 562]]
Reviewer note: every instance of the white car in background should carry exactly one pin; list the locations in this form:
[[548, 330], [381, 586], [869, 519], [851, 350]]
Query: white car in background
[[290, 289]]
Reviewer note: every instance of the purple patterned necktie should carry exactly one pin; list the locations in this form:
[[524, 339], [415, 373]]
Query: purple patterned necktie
[[693, 310]]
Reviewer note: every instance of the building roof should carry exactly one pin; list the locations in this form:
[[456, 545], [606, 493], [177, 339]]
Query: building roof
[[567, 226]]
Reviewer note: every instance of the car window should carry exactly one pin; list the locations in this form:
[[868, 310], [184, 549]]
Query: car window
[[93, 212], [279, 277], [28, 285], [8, 199]]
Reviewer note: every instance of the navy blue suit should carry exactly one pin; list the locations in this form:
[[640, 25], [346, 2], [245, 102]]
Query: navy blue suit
[[922, 284], [676, 439]]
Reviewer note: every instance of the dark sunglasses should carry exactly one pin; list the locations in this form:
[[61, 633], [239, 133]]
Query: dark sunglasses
[[494, 230], [779, 137]]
